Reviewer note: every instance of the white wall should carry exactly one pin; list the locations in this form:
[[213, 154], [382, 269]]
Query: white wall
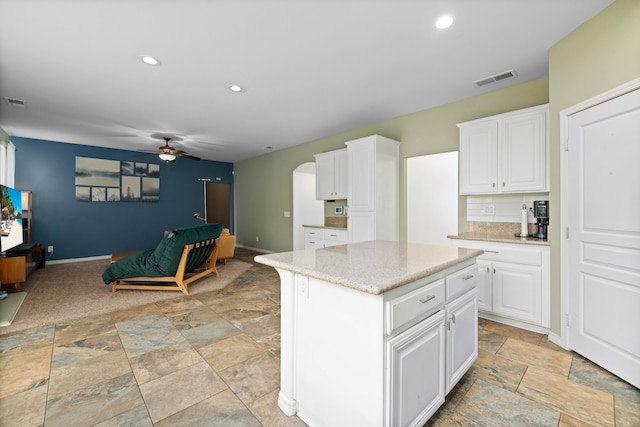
[[306, 209], [432, 198]]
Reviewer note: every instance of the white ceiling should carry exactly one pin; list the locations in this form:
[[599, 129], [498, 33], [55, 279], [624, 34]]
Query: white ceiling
[[311, 68]]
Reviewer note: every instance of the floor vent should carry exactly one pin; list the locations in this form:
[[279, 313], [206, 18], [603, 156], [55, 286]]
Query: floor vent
[[16, 102], [496, 77]]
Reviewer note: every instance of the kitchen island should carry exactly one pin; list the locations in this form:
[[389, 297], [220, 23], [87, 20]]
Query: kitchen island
[[374, 333]]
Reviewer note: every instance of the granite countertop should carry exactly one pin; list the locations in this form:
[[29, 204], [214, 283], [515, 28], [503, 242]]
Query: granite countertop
[[325, 226], [499, 237], [374, 267]]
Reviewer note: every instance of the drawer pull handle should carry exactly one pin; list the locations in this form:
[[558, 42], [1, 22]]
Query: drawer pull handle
[[492, 252], [427, 299], [332, 235], [467, 277]]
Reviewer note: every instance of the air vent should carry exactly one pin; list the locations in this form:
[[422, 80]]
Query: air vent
[[16, 102], [496, 77]]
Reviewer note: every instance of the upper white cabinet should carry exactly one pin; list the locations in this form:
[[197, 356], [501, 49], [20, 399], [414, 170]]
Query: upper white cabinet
[[331, 175], [507, 153], [373, 188]]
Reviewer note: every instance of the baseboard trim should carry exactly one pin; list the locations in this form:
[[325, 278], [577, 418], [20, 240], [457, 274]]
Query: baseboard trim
[[511, 322], [256, 249], [70, 260], [557, 340]]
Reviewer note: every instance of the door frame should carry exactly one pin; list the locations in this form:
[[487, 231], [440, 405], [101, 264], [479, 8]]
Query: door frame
[[565, 339]]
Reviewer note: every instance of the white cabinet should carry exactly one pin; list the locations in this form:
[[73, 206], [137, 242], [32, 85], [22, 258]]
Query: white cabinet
[[417, 369], [331, 175], [323, 237], [507, 153], [354, 358], [373, 189], [462, 337], [513, 283]]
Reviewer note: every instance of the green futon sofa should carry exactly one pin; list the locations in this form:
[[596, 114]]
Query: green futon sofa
[[182, 256]]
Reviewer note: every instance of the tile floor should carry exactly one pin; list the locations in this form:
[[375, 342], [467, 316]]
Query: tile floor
[[213, 360]]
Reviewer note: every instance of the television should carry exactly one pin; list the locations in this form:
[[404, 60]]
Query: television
[[11, 218]]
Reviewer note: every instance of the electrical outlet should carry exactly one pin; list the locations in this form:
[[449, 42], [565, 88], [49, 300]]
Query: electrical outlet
[[50, 249], [257, 239]]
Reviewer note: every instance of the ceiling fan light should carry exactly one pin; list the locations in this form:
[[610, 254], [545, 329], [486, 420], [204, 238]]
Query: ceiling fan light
[[167, 157]]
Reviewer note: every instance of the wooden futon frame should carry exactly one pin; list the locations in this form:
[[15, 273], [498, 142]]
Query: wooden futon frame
[[197, 261]]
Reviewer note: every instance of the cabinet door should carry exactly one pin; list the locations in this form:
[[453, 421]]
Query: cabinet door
[[416, 369], [324, 176], [462, 336], [517, 290], [479, 158], [484, 285], [361, 226], [340, 177], [523, 152], [361, 171]]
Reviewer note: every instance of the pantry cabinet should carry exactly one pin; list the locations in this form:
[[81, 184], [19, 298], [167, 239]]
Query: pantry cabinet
[[373, 189], [331, 175], [506, 153], [513, 283]]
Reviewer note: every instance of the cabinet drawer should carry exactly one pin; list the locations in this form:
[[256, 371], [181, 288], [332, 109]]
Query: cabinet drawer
[[313, 233], [461, 281], [313, 243], [414, 306], [335, 235], [520, 256]]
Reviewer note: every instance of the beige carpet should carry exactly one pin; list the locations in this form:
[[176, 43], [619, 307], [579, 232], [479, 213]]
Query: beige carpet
[[60, 293]]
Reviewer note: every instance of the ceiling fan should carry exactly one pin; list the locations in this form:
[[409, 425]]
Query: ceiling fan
[[169, 153]]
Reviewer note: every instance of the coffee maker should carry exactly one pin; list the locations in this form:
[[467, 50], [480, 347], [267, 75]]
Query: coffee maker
[[541, 213]]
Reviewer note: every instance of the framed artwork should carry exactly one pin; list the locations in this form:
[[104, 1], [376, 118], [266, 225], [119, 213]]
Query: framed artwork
[[100, 180]]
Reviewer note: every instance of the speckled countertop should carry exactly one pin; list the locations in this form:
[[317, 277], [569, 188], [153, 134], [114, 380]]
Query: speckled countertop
[[374, 267], [498, 237], [325, 226]]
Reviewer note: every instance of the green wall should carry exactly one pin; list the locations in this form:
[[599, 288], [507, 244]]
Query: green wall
[[598, 56], [264, 185]]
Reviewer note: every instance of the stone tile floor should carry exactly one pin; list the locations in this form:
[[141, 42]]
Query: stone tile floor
[[213, 360]]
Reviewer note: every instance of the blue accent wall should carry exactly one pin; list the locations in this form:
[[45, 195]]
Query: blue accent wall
[[84, 229]]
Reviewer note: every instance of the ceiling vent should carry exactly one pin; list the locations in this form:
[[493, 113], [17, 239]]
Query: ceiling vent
[[16, 102], [496, 77]]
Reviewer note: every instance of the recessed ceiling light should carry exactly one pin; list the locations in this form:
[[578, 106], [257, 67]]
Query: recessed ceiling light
[[235, 88], [445, 21], [150, 60]]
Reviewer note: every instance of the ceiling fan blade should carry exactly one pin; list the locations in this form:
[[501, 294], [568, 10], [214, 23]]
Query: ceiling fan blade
[[187, 156]]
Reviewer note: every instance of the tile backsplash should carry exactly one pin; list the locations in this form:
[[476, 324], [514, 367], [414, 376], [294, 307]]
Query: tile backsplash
[[502, 207]]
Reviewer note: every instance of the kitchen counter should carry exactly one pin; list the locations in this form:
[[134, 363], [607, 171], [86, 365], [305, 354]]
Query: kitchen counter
[[502, 238], [329, 227], [374, 267], [363, 337]]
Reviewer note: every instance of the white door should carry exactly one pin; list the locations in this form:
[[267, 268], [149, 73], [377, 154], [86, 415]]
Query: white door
[[604, 235]]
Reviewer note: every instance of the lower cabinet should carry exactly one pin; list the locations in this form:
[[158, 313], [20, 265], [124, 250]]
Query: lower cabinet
[[416, 361], [462, 337], [427, 361], [323, 237], [513, 283]]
